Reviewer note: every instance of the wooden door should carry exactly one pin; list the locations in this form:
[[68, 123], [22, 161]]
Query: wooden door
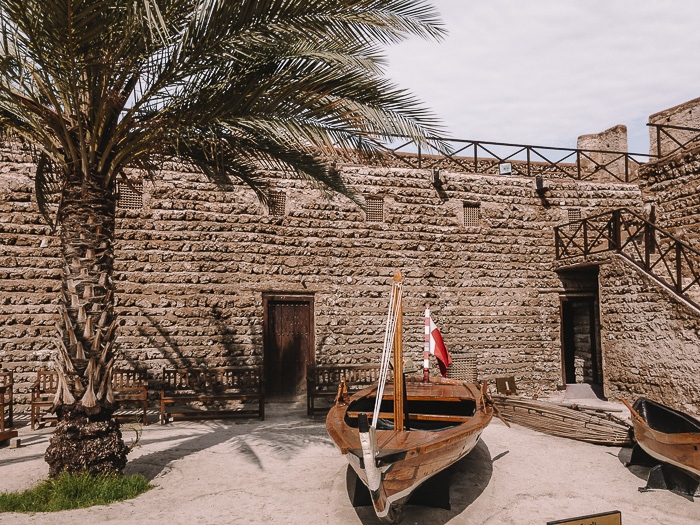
[[289, 343]]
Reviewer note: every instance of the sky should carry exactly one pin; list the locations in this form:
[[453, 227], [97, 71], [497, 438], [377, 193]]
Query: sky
[[544, 72]]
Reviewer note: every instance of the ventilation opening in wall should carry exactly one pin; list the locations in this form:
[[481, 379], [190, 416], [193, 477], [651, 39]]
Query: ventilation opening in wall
[[472, 214], [375, 209], [130, 196], [277, 203], [574, 214]]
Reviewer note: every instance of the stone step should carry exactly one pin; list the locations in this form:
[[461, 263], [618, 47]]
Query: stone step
[[583, 391]]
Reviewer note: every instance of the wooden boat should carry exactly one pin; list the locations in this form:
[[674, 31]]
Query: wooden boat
[[668, 435], [418, 429]]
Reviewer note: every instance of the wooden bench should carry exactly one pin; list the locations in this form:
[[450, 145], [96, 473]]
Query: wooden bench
[[6, 406], [322, 382], [42, 394], [130, 387], [240, 386]]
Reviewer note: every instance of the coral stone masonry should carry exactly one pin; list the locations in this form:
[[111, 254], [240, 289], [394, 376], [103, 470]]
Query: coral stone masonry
[[208, 277], [192, 266]]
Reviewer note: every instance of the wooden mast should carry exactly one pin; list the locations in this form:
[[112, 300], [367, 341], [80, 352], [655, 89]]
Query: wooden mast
[[398, 362], [426, 346]]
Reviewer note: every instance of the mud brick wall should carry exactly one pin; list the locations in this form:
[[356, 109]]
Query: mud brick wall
[[613, 139], [672, 185], [29, 276], [193, 263], [193, 268], [686, 115], [651, 342]]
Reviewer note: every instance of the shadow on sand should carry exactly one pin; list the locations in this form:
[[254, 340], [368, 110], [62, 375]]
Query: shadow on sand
[[678, 482], [466, 479], [284, 433]]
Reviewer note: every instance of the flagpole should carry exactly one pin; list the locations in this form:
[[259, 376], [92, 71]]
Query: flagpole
[[426, 347]]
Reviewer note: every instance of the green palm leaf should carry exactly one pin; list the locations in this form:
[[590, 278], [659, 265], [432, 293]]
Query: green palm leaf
[[230, 87]]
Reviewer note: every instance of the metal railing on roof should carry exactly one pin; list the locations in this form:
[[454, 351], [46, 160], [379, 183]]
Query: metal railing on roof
[[476, 156]]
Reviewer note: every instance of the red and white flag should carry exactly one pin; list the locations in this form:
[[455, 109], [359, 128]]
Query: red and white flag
[[437, 346]]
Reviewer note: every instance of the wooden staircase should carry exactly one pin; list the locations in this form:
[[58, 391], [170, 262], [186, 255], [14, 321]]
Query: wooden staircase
[[672, 263]]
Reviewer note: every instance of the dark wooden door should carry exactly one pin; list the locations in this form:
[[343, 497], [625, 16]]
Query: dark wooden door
[[288, 343]]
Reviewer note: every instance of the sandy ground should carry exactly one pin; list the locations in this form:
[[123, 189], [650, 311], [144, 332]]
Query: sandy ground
[[287, 470]]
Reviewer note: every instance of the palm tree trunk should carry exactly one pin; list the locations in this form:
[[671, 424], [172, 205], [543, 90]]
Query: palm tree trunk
[[87, 437]]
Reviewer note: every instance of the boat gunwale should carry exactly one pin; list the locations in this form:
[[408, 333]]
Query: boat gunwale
[[677, 438], [426, 439]]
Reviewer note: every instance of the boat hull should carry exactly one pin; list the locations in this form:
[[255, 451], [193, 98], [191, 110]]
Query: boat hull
[[402, 478], [407, 458], [667, 435]]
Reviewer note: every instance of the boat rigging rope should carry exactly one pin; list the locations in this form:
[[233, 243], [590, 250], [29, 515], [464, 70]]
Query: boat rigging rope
[[389, 333]]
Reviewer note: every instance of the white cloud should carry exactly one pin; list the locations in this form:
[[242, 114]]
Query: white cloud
[[544, 72]]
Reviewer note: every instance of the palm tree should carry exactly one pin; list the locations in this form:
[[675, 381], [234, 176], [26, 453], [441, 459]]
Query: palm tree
[[99, 88]]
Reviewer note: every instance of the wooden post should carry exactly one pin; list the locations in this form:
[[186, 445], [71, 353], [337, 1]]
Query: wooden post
[[398, 364], [648, 243], [615, 240]]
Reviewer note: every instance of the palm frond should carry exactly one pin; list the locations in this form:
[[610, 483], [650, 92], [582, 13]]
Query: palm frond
[[101, 85], [47, 185]]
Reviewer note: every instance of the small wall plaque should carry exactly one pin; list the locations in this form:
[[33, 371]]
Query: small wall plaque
[[505, 168]]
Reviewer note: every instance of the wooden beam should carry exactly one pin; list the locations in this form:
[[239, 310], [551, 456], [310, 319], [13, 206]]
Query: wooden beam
[[418, 417]]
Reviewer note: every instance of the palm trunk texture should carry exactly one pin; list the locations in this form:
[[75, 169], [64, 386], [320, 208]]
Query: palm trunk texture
[[87, 436]]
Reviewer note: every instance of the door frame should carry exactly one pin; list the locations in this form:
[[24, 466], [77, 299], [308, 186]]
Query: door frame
[[594, 327], [291, 297]]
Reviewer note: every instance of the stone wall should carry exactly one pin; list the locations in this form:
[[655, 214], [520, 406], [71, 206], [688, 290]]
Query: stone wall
[[655, 336], [668, 140], [651, 341], [29, 276], [672, 186], [595, 145], [192, 265]]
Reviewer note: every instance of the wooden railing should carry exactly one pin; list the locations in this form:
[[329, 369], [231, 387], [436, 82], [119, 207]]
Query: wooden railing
[[672, 262], [672, 139], [475, 156]]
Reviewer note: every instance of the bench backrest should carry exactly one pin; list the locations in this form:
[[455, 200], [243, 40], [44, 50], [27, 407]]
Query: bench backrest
[[129, 380], [46, 381], [329, 376], [5, 378], [214, 380]]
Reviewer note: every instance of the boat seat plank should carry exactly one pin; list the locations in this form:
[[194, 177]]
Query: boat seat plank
[[417, 417], [432, 398]]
